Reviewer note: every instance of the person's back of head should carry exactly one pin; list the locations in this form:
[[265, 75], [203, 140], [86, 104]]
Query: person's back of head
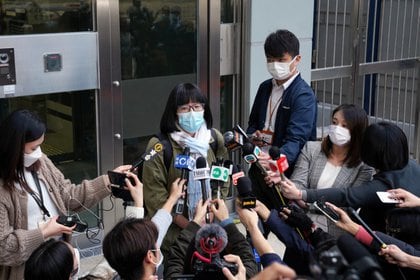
[[19, 128], [127, 244], [52, 260], [385, 147], [278, 43]]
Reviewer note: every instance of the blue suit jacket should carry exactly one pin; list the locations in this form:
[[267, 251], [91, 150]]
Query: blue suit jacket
[[295, 119]]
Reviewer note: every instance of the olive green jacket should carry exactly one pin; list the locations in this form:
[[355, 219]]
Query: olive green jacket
[[157, 182]]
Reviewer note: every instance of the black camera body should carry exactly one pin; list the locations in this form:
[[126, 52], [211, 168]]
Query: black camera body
[[72, 220], [213, 270]]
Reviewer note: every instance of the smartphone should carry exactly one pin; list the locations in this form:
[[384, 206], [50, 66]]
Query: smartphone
[[384, 197], [327, 211], [118, 179]]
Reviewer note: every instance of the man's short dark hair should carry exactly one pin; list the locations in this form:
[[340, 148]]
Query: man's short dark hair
[[385, 147], [281, 42], [127, 244]]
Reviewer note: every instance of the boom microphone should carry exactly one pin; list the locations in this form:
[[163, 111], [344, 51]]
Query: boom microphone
[[359, 257]]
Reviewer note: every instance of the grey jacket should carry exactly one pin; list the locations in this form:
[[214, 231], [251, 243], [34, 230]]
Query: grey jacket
[[311, 163]]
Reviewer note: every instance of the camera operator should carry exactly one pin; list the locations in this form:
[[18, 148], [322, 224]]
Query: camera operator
[[182, 250]]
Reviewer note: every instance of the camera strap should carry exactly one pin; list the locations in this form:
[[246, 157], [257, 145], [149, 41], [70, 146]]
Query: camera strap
[[38, 199]]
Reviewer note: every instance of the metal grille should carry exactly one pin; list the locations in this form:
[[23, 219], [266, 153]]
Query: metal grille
[[367, 52]]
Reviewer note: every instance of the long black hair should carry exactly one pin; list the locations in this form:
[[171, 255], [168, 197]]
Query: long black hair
[[19, 128]]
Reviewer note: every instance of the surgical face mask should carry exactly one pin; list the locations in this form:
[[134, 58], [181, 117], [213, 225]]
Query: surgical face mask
[[29, 159], [339, 135], [280, 70], [191, 121]]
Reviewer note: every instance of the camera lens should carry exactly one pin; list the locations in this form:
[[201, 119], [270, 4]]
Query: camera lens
[[4, 58]]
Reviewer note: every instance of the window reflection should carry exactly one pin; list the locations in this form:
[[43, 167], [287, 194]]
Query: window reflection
[[33, 17], [158, 38]]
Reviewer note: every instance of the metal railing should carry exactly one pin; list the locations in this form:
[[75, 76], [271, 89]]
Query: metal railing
[[367, 52]]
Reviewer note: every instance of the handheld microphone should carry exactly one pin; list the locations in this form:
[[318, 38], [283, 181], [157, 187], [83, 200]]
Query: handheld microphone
[[236, 174], [246, 197], [281, 161], [183, 162], [239, 129], [359, 257], [201, 172], [250, 153], [219, 175], [233, 140], [158, 147]]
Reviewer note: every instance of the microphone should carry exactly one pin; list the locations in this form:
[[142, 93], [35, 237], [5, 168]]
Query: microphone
[[185, 163], [211, 239], [233, 140], [366, 227], [281, 160], [158, 147], [236, 174], [202, 173], [245, 194], [250, 153], [359, 257], [219, 175]]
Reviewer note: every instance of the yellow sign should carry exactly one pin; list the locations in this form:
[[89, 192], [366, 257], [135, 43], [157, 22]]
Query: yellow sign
[[158, 147]]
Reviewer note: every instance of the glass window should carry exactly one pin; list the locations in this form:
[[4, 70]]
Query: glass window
[[43, 16]]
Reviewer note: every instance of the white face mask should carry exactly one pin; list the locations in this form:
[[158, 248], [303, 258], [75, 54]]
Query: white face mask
[[29, 159], [280, 70], [339, 135]]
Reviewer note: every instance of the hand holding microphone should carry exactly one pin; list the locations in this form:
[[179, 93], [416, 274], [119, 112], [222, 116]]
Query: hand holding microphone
[[185, 163], [280, 159]]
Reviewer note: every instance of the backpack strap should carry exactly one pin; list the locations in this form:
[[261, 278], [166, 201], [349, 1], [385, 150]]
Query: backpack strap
[[214, 145], [167, 149]]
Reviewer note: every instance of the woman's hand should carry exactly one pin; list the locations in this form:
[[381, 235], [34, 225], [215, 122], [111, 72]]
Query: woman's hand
[[52, 228], [136, 190], [289, 190], [345, 222], [241, 275], [248, 217], [219, 209], [200, 211], [394, 255], [406, 198], [275, 271], [122, 168], [262, 210]]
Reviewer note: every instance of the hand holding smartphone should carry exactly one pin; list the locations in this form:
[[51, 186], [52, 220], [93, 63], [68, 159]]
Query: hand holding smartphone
[[327, 211], [118, 179]]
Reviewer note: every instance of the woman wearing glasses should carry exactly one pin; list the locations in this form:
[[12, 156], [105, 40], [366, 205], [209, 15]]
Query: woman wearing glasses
[[186, 122]]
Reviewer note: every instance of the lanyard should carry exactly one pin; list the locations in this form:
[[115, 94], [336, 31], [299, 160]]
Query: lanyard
[[39, 200], [271, 111]]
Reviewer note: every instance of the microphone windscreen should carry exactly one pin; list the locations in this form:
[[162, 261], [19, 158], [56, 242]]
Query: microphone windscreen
[[211, 239], [228, 136], [274, 152], [247, 148], [200, 163], [359, 257], [244, 186]]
